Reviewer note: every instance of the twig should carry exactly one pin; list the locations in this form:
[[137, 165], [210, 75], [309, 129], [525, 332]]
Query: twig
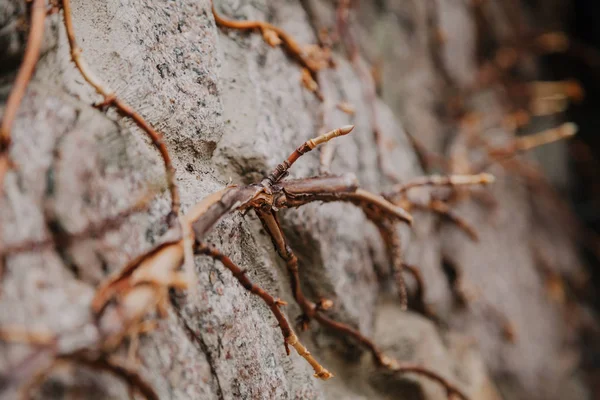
[[281, 170], [289, 336], [110, 99], [311, 310], [419, 305], [143, 283], [394, 248], [92, 230], [32, 54], [451, 390], [441, 180], [526, 143], [312, 58]]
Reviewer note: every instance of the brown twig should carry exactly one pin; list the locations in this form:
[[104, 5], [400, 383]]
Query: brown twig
[[289, 336], [142, 285], [311, 311], [116, 368], [110, 99], [441, 180], [390, 236], [419, 304], [398, 195], [281, 170], [310, 57], [451, 390], [526, 143], [32, 54]]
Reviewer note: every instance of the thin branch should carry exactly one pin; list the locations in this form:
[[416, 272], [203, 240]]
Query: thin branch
[[419, 304], [289, 336], [30, 59], [312, 311], [313, 58], [110, 99], [129, 376], [281, 170], [442, 180], [118, 369], [451, 390], [443, 209], [529, 142]]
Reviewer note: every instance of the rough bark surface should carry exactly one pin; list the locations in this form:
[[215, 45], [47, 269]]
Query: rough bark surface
[[230, 108]]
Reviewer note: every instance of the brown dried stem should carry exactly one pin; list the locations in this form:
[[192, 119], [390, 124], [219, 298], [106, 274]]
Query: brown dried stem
[[92, 230], [110, 99], [398, 195], [281, 170], [312, 311], [390, 236], [30, 59], [529, 142], [442, 180], [312, 58], [452, 391], [129, 376], [118, 369], [526, 143], [142, 285], [443, 209], [289, 336]]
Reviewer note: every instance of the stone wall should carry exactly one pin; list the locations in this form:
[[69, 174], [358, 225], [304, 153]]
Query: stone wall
[[230, 108]]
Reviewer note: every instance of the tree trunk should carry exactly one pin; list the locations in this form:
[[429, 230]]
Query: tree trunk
[[231, 108]]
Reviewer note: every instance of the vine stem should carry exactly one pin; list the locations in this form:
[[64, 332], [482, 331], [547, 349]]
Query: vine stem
[[110, 99], [32, 55]]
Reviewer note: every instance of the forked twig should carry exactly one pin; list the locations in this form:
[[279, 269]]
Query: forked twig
[[281, 170], [398, 195], [390, 236], [529, 142], [312, 311], [32, 54], [110, 99], [132, 379], [141, 285]]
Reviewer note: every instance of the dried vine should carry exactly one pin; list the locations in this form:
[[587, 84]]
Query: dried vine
[[32, 54], [111, 99]]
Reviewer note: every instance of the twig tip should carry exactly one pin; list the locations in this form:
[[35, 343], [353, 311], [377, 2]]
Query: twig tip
[[344, 130]]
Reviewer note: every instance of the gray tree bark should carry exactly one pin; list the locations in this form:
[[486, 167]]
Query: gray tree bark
[[230, 108]]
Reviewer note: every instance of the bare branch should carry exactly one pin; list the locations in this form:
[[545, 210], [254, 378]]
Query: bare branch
[[289, 336], [110, 99], [32, 54]]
